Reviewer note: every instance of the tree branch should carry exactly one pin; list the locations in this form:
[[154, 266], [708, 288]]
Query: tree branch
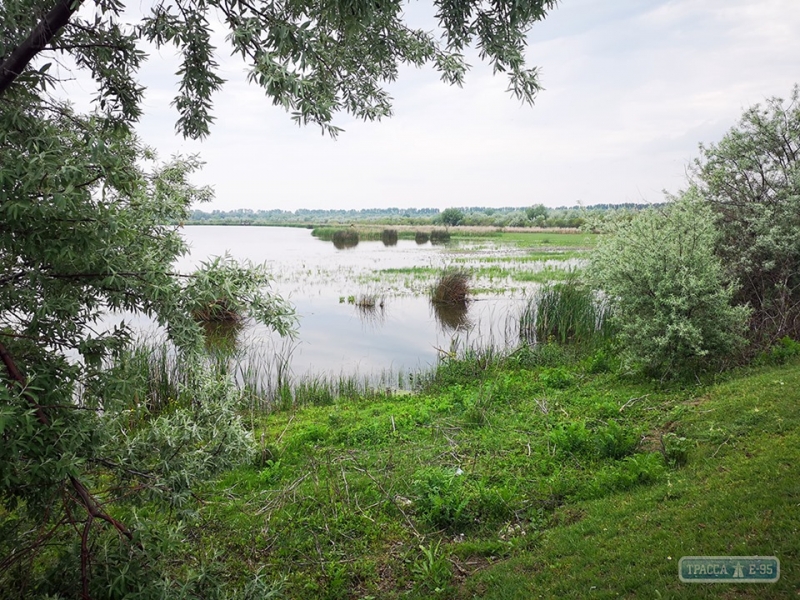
[[38, 40]]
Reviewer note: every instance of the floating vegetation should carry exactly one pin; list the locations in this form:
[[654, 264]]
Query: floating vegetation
[[439, 236], [389, 237], [421, 237], [452, 288], [345, 238]]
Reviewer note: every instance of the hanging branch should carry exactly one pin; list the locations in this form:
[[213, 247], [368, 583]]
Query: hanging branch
[[38, 40]]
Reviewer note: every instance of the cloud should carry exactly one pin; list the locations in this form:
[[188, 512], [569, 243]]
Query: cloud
[[631, 88]]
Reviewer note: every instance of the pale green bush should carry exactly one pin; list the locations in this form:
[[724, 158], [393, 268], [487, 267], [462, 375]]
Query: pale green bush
[[671, 301]]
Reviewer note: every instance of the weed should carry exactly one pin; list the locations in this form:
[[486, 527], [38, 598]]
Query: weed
[[780, 353], [675, 449], [614, 441], [556, 378], [421, 237], [432, 570]]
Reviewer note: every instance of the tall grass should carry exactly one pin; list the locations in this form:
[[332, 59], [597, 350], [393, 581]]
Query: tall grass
[[565, 312], [421, 237]]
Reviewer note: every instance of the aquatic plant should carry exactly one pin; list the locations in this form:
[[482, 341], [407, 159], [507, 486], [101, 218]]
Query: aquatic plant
[[421, 237], [452, 288], [345, 238], [565, 312], [439, 236], [389, 237]]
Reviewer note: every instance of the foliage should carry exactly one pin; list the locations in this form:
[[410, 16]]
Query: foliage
[[90, 226], [537, 212], [224, 290], [671, 300], [451, 216], [751, 180]]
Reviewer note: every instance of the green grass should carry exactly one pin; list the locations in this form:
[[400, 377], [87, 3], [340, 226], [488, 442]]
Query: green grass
[[538, 474], [738, 495], [547, 239]]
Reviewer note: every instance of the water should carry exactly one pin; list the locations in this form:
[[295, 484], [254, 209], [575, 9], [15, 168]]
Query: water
[[336, 337]]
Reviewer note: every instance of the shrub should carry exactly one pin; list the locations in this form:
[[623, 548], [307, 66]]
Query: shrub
[[223, 291], [751, 180], [671, 299]]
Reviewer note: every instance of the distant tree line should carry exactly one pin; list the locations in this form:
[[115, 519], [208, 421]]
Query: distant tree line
[[509, 216]]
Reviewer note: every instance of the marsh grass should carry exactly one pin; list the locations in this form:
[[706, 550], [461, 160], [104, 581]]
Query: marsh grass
[[345, 238], [439, 236], [452, 288], [421, 237], [565, 312], [389, 237]]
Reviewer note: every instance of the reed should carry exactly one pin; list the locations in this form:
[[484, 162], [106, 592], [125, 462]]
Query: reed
[[345, 238], [439, 236], [389, 237], [565, 312], [421, 237], [451, 288]]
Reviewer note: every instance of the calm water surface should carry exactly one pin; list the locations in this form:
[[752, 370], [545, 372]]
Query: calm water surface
[[338, 338]]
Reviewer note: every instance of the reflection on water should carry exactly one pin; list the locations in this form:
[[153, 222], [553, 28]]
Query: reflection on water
[[372, 314], [345, 238], [452, 317], [222, 337], [389, 237], [338, 337]]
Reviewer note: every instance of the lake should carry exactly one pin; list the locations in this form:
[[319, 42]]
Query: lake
[[403, 332]]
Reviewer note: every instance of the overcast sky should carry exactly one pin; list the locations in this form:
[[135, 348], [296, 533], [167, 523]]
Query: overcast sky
[[631, 88]]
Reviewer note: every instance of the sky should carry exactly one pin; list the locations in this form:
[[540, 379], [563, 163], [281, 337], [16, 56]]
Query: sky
[[631, 88]]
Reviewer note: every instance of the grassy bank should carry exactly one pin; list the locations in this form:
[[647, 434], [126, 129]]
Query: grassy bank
[[538, 474]]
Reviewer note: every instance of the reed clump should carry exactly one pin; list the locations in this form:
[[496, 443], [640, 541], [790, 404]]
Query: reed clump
[[439, 236], [221, 310], [345, 238], [421, 237], [565, 312], [389, 237], [452, 288]]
